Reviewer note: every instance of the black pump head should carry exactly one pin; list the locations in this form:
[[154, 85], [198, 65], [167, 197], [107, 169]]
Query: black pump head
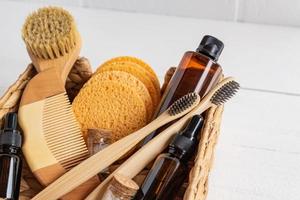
[[211, 47]]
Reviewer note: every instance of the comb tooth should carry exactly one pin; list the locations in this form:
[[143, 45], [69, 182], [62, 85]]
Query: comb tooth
[[64, 114], [67, 153], [59, 114], [56, 107], [63, 138], [63, 134], [54, 144], [71, 164], [61, 124], [75, 159], [62, 131], [60, 155], [58, 133], [68, 164], [58, 141]]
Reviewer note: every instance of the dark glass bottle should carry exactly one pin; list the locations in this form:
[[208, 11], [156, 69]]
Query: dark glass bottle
[[197, 72], [170, 169], [10, 158]]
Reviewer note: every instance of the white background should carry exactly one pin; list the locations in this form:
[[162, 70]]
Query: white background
[[258, 153], [281, 12]]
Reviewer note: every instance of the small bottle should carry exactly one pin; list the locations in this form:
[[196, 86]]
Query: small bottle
[[10, 158], [198, 72], [120, 188], [170, 169]]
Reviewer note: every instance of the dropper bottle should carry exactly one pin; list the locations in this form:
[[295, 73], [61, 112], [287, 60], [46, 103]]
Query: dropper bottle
[[10, 158], [170, 169]]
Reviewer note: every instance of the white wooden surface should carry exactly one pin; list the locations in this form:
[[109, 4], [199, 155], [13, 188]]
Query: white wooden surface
[[258, 154], [281, 12]]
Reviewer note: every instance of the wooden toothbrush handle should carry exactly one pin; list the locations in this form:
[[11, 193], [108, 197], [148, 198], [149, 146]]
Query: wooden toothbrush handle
[[138, 161]]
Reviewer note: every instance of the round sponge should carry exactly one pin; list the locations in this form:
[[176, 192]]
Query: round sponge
[[136, 70], [133, 82], [110, 104]]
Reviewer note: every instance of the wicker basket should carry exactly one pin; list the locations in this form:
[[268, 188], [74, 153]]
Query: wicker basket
[[198, 182]]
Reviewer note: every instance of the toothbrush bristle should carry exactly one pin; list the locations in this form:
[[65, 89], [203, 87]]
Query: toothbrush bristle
[[183, 103], [224, 93]]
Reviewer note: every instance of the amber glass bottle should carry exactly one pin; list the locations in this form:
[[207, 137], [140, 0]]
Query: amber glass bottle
[[171, 168], [198, 72]]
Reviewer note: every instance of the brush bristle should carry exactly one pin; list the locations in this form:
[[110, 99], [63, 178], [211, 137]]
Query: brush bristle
[[62, 132], [49, 32], [183, 103], [224, 93]]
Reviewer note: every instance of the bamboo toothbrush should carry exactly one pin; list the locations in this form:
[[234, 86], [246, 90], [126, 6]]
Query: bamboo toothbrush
[[138, 161], [53, 141], [113, 152]]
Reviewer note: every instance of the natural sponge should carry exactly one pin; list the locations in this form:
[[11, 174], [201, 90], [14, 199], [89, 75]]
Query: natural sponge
[[133, 82], [138, 68], [108, 103], [138, 61], [136, 71]]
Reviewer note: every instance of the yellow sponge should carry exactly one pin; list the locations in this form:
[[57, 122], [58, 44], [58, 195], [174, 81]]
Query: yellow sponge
[[110, 104], [132, 82], [129, 59], [136, 71]]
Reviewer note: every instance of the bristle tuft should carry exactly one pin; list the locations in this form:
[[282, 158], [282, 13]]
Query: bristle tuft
[[49, 32], [224, 93], [183, 103], [62, 132]]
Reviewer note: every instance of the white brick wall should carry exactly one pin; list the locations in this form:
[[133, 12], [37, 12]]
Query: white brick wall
[[279, 12]]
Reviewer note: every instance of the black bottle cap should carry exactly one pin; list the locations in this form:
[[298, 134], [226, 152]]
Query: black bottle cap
[[10, 135], [211, 47], [186, 140]]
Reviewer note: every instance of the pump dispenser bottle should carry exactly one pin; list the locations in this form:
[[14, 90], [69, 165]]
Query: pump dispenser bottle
[[198, 72], [10, 158], [170, 169]]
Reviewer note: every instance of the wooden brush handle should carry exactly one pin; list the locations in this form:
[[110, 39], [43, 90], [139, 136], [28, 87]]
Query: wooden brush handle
[[63, 64]]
